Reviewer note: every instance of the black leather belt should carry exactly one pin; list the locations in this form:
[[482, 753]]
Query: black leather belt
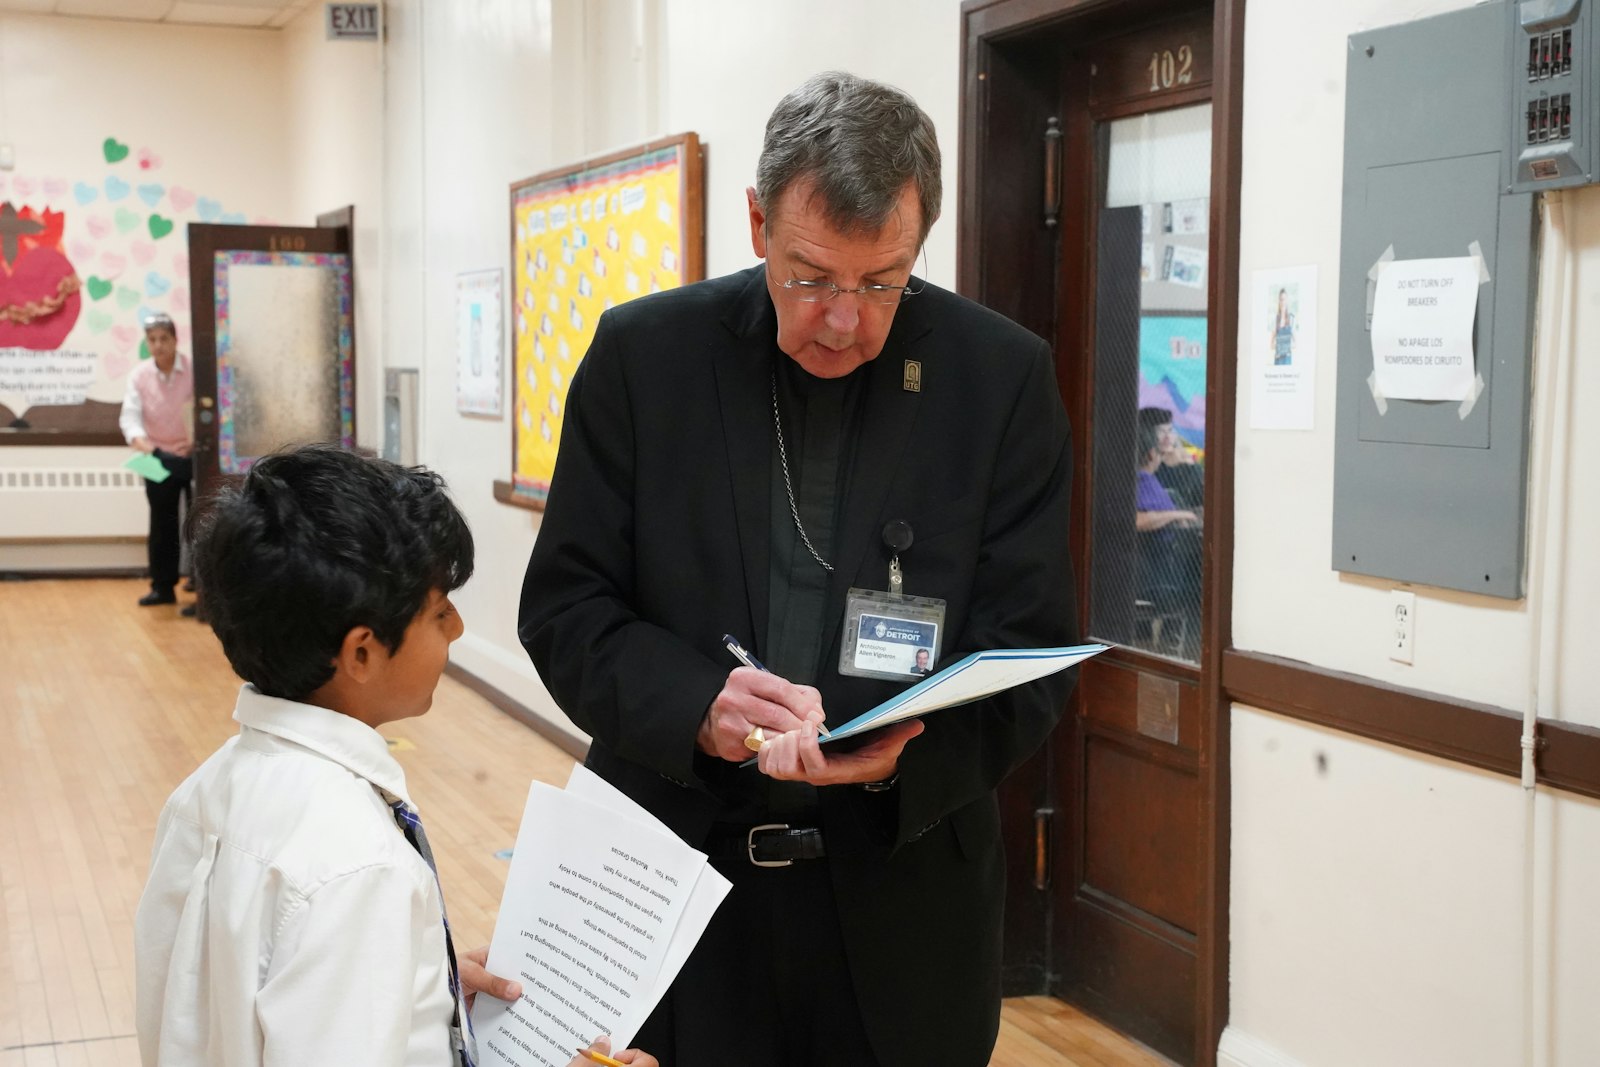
[[771, 844]]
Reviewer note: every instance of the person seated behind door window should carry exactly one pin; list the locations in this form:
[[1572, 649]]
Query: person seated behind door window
[[1168, 536], [292, 912], [1178, 473], [1155, 510]]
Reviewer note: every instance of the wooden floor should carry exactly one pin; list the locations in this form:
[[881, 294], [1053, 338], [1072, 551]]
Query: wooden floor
[[106, 706]]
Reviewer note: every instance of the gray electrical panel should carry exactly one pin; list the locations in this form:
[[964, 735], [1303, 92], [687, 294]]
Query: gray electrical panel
[[1434, 492], [1553, 114]]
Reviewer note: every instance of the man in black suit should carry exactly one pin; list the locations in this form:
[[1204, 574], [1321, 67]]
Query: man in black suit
[[737, 456]]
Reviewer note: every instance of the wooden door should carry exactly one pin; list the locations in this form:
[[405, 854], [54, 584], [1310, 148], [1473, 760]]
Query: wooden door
[[1128, 909], [1089, 215], [274, 342]]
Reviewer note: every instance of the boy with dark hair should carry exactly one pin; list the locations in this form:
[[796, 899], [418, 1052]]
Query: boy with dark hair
[[292, 914]]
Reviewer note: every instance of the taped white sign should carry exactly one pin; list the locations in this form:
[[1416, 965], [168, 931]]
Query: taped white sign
[[1422, 317]]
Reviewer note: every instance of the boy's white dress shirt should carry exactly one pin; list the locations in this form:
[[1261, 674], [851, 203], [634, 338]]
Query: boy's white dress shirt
[[287, 921]]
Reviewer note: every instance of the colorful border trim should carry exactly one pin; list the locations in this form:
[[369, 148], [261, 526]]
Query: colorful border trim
[[228, 459]]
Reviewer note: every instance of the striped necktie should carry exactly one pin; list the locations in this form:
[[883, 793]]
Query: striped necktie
[[461, 1038]]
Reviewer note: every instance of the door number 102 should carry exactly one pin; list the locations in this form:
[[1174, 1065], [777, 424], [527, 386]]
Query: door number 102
[[1167, 70]]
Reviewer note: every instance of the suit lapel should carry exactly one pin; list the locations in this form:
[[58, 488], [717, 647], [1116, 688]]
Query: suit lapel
[[743, 372]]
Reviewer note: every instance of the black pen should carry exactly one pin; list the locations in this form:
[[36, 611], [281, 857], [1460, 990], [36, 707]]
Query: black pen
[[750, 661]]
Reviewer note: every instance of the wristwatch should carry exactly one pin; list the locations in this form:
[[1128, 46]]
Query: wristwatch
[[882, 786]]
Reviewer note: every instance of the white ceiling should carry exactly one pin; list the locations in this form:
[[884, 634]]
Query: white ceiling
[[271, 14]]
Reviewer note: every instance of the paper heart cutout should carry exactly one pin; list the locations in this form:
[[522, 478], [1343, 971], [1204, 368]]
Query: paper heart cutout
[[156, 284], [114, 365], [99, 288], [152, 192], [112, 263], [180, 298], [208, 209], [37, 273], [180, 263], [99, 226], [81, 250], [116, 188], [126, 220], [24, 187], [114, 149], [84, 193], [160, 226], [148, 160], [124, 335], [182, 199], [126, 297], [234, 218], [143, 252], [54, 187], [99, 321]]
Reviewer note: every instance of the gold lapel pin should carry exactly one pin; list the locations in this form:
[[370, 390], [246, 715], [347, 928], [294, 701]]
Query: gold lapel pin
[[912, 382]]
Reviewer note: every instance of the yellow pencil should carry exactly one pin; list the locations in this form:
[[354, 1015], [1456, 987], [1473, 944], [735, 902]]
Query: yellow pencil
[[600, 1058]]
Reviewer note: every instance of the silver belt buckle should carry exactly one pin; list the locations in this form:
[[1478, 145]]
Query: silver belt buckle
[[750, 844]]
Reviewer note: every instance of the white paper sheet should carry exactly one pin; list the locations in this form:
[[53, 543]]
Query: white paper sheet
[[1422, 316], [704, 897], [592, 914], [1281, 342]]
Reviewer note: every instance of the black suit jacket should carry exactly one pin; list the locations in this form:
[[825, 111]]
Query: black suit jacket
[[655, 543]]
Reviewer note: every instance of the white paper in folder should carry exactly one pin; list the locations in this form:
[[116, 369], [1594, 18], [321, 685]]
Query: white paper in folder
[[601, 908]]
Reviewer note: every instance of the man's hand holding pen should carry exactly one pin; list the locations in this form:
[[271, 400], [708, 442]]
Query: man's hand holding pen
[[752, 698], [759, 712]]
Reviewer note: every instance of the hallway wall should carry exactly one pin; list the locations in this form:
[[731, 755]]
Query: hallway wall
[[1379, 911]]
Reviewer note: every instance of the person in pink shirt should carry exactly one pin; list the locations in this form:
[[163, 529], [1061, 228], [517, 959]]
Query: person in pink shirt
[[155, 418]]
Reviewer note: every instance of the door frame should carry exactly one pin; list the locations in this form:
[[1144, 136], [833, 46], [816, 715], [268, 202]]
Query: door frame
[[206, 239], [983, 237]]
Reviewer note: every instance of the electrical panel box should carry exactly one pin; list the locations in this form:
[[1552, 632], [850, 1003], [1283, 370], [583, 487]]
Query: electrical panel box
[[1435, 491], [1554, 124]]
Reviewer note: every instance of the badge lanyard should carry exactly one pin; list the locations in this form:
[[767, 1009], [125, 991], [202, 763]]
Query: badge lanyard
[[891, 634]]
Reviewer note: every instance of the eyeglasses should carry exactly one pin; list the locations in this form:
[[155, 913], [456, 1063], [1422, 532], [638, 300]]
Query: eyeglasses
[[815, 292]]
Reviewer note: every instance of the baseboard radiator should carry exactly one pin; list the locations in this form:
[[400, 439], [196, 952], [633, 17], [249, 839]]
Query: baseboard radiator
[[72, 519]]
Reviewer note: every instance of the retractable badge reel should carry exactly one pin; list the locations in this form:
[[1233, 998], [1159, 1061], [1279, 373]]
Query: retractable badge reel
[[891, 634]]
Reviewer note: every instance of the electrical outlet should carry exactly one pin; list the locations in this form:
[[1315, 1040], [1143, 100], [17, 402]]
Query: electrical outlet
[[1402, 624]]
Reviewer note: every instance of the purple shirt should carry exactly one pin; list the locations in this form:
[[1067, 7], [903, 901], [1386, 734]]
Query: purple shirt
[[1151, 495]]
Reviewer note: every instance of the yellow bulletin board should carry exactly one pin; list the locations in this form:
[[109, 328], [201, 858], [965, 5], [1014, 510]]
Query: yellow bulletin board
[[583, 239]]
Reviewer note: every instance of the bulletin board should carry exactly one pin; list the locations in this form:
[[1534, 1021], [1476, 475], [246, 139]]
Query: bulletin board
[[585, 238]]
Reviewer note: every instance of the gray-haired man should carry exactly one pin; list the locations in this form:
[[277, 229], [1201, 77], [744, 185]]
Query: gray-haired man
[[751, 455], [155, 419]]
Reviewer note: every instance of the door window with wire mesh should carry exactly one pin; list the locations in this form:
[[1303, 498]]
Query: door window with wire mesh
[[1152, 274]]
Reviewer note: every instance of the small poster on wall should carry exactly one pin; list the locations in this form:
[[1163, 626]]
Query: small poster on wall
[[480, 342], [1280, 343]]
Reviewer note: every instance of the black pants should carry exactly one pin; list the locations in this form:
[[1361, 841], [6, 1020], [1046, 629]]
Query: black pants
[[166, 539], [768, 983]]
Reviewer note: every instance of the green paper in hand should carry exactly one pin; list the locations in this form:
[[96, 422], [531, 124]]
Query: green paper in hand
[[147, 467]]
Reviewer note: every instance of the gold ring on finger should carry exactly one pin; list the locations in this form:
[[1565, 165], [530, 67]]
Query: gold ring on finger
[[755, 739]]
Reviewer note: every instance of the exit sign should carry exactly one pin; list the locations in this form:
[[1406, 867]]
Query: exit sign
[[352, 22]]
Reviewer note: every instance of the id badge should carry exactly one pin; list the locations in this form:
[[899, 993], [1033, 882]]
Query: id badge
[[890, 635]]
